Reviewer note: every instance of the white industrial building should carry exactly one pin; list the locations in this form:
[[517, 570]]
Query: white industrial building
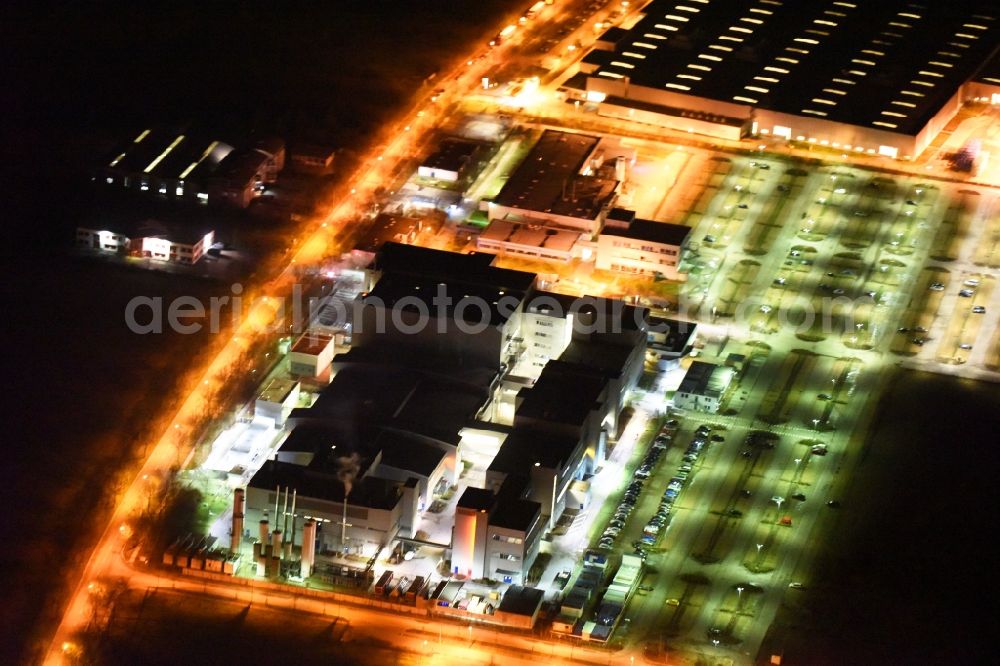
[[495, 538], [311, 355], [277, 400], [641, 247]]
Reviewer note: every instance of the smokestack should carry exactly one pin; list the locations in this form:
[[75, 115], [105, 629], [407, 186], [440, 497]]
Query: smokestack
[[237, 537], [264, 529], [284, 514], [277, 498], [308, 547], [349, 468], [343, 523], [291, 537]]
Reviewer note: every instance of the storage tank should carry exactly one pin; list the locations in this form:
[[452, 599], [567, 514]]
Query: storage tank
[[308, 547], [264, 530], [276, 543]]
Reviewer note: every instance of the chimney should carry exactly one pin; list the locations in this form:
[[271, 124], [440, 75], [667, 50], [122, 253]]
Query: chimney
[[237, 536]]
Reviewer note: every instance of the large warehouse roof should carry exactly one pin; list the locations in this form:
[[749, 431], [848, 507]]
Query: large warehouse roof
[[889, 65], [549, 178]]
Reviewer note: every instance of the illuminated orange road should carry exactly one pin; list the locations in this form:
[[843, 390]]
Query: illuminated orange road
[[178, 438]]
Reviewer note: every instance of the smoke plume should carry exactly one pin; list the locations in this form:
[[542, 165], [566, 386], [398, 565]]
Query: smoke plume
[[347, 471]]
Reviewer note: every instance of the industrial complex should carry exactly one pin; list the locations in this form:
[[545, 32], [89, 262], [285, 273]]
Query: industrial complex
[[588, 346]]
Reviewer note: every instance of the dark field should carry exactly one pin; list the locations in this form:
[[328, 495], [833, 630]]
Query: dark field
[[911, 577], [168, 628], [81, 389]]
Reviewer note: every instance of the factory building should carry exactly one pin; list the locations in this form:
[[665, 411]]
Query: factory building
[[868, 78], [558, 186], [386, 433], [375, 511], [187, 163], [176, 163]]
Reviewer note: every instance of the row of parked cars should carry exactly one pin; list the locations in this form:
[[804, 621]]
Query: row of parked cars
[[661, 519], [634, 489]]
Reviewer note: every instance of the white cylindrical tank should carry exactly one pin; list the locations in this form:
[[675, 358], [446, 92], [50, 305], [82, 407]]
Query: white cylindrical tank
[[308, 547]]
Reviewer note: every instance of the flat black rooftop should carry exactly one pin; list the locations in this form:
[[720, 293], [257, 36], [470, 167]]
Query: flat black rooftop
[[889, 65], [564, 393], [516, 514], [408, 453], [365, 395], [609, 358], [441, 265], [470, 301], [520, 600], [599, 314], [367, 491], [648, 230], [677, 333], [523, 448], [451, 154], [477, 499], [549, 180]]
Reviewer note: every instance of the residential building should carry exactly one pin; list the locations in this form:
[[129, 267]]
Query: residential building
[[149, 238], [243, 174], [313, 157]]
